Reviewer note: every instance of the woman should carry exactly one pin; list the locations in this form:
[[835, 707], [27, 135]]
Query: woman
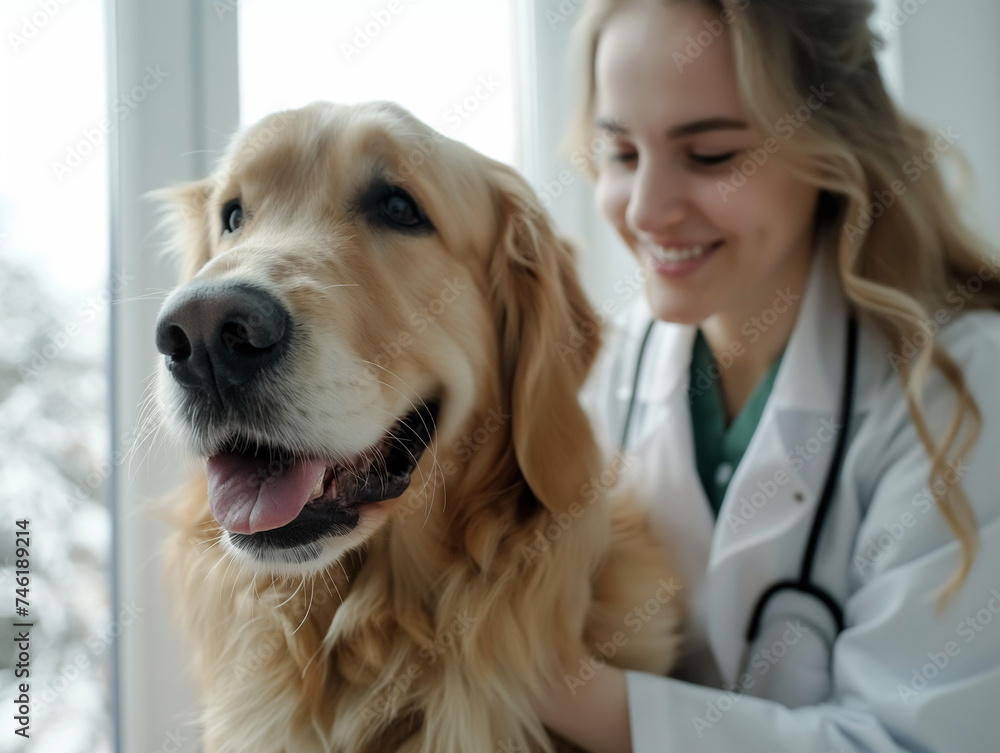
[[772, 193]]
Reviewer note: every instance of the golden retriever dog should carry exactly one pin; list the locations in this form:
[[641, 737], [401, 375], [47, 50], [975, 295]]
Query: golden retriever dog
[[403, 530]]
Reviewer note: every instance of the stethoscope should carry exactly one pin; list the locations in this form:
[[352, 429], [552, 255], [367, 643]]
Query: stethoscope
[[803, 585]]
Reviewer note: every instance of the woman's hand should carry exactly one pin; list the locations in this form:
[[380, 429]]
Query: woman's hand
[[591, 713]]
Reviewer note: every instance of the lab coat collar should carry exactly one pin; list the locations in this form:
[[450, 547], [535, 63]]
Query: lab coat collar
[[816, 346]]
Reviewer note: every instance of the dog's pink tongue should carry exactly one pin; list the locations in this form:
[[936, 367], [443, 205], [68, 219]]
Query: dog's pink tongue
[[251, 494]]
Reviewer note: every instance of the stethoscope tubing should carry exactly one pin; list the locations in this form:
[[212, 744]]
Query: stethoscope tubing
[[804, 582]]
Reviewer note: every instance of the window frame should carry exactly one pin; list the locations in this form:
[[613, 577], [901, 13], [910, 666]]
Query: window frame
[[151, 149]]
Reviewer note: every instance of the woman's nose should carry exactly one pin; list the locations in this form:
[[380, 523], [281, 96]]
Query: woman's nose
[[657, 203]]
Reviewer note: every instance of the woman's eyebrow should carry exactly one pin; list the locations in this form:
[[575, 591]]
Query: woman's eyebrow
[[707, 124], [686, 129], [612, 125]]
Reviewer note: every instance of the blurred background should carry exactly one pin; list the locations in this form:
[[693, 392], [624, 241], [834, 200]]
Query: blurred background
[[104, 100]]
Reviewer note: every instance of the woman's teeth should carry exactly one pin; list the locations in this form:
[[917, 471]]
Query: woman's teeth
[[674, 254]]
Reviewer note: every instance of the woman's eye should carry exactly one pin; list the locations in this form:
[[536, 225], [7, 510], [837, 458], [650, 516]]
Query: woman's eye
[[232, 217], [713, 159], [625, 157], [400, 209]]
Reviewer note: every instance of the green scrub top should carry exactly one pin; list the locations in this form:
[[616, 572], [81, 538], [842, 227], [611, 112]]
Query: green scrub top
[[718, 448]]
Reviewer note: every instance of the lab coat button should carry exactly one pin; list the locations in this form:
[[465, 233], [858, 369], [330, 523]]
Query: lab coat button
[[723, 473]]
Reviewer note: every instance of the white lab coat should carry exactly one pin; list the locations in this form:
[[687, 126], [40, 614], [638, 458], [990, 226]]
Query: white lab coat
[[901, 677]]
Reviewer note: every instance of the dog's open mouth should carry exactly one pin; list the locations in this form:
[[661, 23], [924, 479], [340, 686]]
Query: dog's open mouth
[[266, 497]]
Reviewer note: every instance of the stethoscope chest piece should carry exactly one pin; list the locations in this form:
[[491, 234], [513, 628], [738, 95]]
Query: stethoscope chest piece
[[789, 658]]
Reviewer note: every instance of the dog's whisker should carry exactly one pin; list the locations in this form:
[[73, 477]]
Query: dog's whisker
[[428, 505], [279, 606], [216, 540], [333, 584], [236, 578], [217, 133], [146, 424], [346, 576], [435, 468], [308, 607], [142, 296], [228, 558], [220, 561], [340, 285], [205, 151], [320, 648], [246, 594], [432, 431]]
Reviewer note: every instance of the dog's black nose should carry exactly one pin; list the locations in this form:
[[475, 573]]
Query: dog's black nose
[[219, 335]]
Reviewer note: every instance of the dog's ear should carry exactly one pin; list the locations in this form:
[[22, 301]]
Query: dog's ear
[[186, 217], [549, 337]]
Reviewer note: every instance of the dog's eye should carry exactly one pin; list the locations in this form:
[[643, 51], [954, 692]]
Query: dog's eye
[[389, 207], [232, 217], [399, 208]]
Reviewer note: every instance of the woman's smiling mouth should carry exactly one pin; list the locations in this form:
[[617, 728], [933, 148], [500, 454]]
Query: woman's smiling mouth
[[676, 260]]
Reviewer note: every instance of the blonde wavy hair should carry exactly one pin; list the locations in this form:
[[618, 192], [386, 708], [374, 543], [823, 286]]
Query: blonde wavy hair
[[896, 264]]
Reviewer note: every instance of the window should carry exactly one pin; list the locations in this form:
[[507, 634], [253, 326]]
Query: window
[[54, 310], [449, 62]]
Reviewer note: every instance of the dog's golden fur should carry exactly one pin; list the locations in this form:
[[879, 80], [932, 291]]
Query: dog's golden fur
[[429, 627]]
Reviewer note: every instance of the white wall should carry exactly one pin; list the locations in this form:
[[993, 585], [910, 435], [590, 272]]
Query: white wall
[[951, 77]]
